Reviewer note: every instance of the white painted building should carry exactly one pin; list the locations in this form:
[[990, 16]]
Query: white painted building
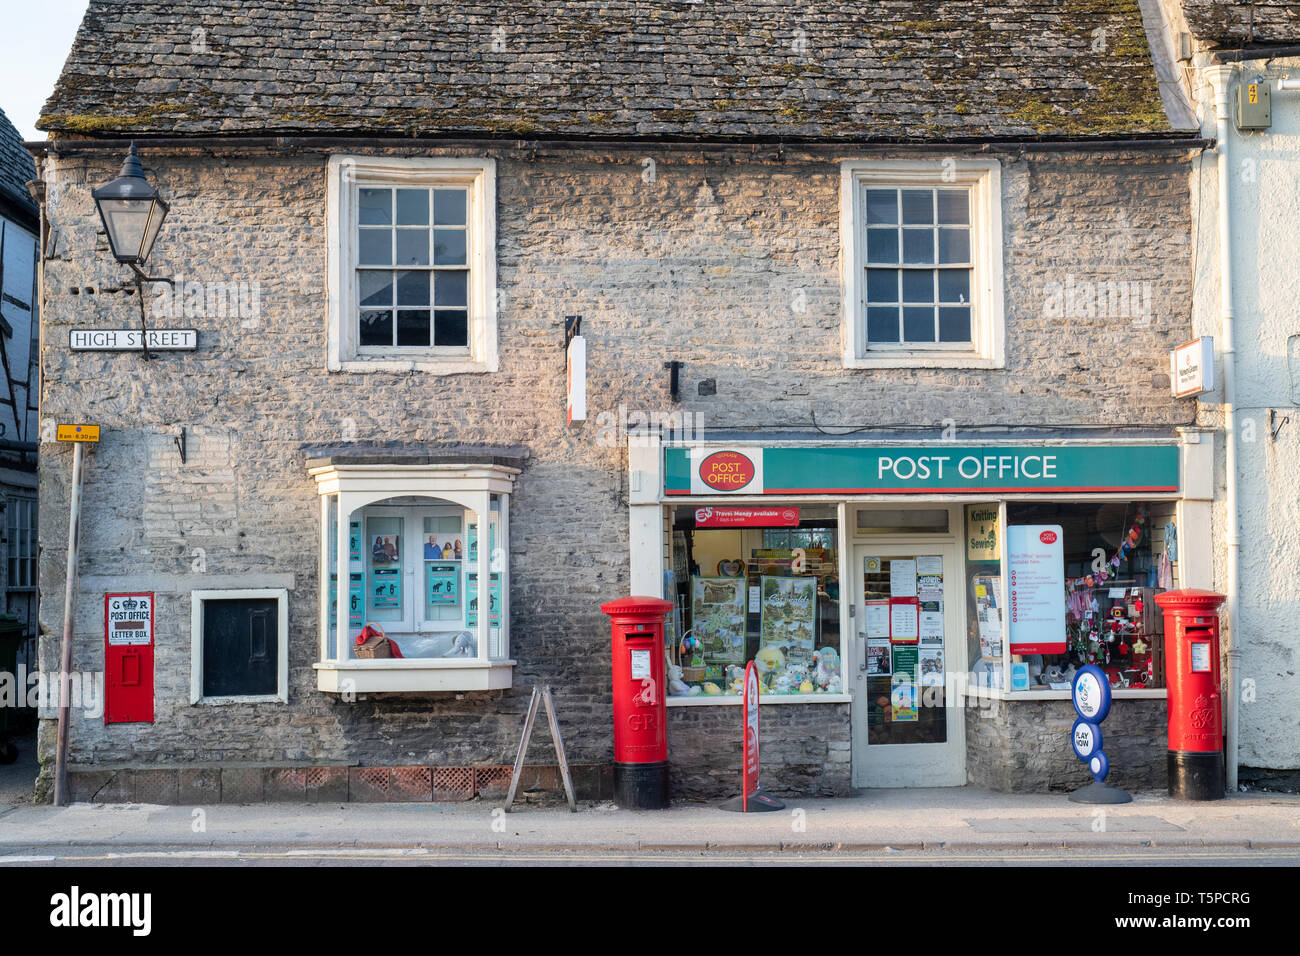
[[1235, 69]]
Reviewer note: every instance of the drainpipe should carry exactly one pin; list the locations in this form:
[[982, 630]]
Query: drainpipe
[[1220, 77]]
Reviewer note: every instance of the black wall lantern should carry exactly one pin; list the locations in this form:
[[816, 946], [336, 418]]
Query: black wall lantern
[[132, 212]]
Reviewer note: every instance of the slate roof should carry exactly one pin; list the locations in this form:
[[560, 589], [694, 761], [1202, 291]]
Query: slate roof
[[612, 69], [1234, 25], [16, 168]]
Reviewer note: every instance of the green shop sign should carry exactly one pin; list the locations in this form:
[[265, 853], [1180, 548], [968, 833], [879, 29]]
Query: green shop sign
[[938, 468]]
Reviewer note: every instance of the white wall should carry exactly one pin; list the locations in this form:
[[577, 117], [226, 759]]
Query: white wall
[[1266, 274]]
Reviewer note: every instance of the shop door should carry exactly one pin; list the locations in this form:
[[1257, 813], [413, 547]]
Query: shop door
[[907, 731]]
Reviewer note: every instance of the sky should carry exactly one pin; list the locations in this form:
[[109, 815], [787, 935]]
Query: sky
[[34, 42]]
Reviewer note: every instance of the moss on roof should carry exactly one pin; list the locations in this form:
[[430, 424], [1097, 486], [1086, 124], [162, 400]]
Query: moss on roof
[[750, 69]]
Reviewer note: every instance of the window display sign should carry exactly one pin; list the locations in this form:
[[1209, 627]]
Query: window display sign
[[903, 684], [386, 584], [494, 600], [789, 617], [1036, 564], [747, 517], [904, 621], [981, 532], [354, 540], [718, 606], [356, 600], [441, 580]]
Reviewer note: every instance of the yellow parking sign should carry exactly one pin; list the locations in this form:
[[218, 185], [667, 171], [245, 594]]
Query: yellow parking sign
[[78, 433]]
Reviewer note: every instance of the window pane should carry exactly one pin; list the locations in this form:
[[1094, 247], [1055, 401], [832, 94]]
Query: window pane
[[954, 245], [918, 286], [954, 285], [918, 246], [449, 207], [882, 206], [413, 327], [882, 285], [450, 288], [376, 327], [918, 207], [954, 324], [452, 328], [954, 207], [918, 324], [412, 207], [412, 247], [882, 245], [449, 247], [412, 288], [376, 288], [882, 325], [375, 207], [375, 247]]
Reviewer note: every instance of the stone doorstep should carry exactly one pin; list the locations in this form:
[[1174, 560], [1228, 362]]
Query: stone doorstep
[[309, 784]]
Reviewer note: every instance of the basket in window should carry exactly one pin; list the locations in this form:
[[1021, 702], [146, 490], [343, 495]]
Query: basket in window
[[691, 649]]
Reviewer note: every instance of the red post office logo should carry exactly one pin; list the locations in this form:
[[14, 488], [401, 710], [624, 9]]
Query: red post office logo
[[727, 471], [1047, 537]]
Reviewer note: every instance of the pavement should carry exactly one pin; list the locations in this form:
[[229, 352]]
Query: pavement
[[953, 819]]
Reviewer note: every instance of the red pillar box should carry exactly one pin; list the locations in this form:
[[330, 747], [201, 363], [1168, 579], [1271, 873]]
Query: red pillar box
[[640, 717], [1195, 705]]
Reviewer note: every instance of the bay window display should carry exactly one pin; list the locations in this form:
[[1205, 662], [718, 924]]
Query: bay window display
[[1081, 588], [407, 577], [765, 590]]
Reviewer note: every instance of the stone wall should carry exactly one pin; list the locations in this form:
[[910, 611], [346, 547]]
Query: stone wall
[[728, 261], [1023, 746], [804, 751]]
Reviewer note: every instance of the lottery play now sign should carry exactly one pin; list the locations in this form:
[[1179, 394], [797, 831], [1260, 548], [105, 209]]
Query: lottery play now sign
[[940, 467]]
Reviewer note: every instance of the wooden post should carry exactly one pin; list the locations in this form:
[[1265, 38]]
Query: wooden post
[[65, 662]]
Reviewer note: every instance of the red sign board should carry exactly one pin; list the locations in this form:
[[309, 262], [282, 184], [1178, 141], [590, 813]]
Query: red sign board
[[749, 774], [128, 658], [727, 471], [746, 517]]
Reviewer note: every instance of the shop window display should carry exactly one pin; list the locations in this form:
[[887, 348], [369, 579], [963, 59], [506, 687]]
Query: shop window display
[[1115, 558], [414, 574], [770, 595]]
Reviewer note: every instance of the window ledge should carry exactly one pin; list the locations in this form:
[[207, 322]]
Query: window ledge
[[1118, 693], [447, 366], [924, 360], [735, 700], [250, 699], [412, 674]]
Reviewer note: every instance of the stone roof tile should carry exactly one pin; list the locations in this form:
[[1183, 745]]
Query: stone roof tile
[[748, 69]]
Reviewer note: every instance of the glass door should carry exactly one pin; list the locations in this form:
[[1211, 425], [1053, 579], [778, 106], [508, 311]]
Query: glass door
[[907, 722]]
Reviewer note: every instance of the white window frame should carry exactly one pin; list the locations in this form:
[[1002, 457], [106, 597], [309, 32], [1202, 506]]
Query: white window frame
[[345, 175], [357, 487], [197, 601], [988, 332]]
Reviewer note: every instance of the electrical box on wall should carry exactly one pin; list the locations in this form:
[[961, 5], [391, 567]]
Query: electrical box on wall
[[1254, 107]]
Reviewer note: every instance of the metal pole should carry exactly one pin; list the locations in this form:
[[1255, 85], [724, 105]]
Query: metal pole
[[65, 665]]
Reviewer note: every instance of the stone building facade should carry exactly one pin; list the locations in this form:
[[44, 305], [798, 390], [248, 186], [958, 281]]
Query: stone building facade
[[725, 253]]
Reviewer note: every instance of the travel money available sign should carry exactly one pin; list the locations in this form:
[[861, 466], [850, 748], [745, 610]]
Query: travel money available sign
[[938, 468]]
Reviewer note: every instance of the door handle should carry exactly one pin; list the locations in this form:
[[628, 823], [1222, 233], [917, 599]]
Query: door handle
[[862, 640]]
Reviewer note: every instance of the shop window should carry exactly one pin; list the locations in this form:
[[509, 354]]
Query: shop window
[[923, 264], [422, 603], [1114, 557], [239, 650], [412, 251], [768, 595]]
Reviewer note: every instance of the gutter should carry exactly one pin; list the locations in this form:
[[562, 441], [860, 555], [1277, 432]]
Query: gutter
[[1255, 53], [1220, 78]]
